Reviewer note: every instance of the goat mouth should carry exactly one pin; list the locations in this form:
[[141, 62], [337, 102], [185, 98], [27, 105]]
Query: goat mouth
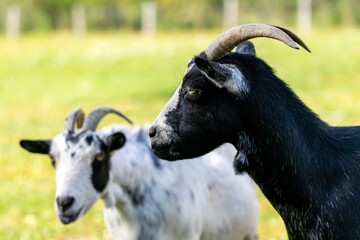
[[166, 152], [69, 218]]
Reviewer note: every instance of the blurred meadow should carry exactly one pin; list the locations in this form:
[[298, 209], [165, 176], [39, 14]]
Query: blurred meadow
[[44, 76], [47, 70]]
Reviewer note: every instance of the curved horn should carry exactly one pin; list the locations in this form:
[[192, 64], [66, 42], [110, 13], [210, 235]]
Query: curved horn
[[97, 114], [231, 38], [77, 116]]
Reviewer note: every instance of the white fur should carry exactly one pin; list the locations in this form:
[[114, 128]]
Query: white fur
[[235, 82], [183, 200], [166, 133]]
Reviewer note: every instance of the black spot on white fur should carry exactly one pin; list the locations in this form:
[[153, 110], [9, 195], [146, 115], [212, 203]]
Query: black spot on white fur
[[137, 197], [152, 199], [72, 138], [101, 170], [89, 140]]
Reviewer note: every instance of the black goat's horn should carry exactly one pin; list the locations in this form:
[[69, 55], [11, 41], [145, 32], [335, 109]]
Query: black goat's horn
[[231, 38], [97, 114], [77, 116]]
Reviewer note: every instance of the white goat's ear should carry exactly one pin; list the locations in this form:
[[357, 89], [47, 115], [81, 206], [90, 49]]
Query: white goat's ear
[[115, 141], [36, 146], [222, 75]]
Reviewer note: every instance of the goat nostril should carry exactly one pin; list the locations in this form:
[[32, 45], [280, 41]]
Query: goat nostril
[[152, 131], [64, 203]]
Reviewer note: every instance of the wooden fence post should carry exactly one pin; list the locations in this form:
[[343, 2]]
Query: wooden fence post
[[148, 17], [13, 15], [78, 20], [304, 15], [230, 13]]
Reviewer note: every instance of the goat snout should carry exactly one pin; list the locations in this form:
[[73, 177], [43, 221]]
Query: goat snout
[[159, 140], [64, 203], [163, 141]]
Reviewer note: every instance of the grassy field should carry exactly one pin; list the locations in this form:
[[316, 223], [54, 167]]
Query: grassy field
[[44, 77]]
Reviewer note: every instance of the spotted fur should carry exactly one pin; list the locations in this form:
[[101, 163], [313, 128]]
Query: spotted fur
[[145, 197]]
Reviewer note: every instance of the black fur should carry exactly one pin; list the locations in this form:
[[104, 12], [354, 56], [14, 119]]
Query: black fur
[[36, 146], [308, 170], [89, 140], [137, 197], [101, 169]]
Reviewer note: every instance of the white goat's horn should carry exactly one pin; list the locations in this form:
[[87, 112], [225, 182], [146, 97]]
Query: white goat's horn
[[77, 116], [231, 38], [97, 114]]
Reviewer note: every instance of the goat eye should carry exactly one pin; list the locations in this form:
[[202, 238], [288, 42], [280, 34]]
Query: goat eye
[[52, 160], [100, 156], [193, 92]]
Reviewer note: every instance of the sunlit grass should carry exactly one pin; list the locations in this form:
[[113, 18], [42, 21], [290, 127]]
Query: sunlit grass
[[43, 77]]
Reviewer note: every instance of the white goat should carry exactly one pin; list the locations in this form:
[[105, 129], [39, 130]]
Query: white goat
[[147, 198]]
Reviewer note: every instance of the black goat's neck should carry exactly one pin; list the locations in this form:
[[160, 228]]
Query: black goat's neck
[[283, 147], [308, 170]]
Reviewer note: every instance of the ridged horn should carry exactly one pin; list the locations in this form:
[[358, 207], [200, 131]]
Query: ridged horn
[[76, 116], [231, 38], [97, 114]]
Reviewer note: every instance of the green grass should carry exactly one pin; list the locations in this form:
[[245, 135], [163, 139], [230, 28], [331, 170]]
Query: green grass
[[44, 77]]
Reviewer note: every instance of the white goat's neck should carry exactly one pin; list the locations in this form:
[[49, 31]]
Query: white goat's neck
[[132, 168]]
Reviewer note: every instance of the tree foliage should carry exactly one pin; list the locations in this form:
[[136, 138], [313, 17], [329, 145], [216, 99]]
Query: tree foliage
[[107, 14]]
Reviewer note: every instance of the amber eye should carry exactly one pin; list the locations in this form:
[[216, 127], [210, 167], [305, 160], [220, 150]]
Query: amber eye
[[100, 156], [193, 92]]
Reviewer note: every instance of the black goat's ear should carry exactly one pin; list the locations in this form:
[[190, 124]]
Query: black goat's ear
[[226, 76], [246, 48], [212, 70], [115, 141], [36, 146]]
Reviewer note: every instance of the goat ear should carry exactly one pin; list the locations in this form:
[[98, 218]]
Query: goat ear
[[115, 141], [212, 70], [226, 76], [246, 48], [36, 146]]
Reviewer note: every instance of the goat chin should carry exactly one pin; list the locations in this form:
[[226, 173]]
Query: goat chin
[[69, 218], [145, 197]]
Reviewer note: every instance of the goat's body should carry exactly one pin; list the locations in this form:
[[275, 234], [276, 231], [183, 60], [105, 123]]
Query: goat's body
[[308, 170], [317, 193], [146, 198], [152, 199]]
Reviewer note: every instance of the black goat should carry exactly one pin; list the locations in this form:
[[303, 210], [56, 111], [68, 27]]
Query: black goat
[[308, 170]]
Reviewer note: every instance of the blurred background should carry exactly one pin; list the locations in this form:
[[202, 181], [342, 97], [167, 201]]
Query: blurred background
[[101, 15], [131, 55]]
